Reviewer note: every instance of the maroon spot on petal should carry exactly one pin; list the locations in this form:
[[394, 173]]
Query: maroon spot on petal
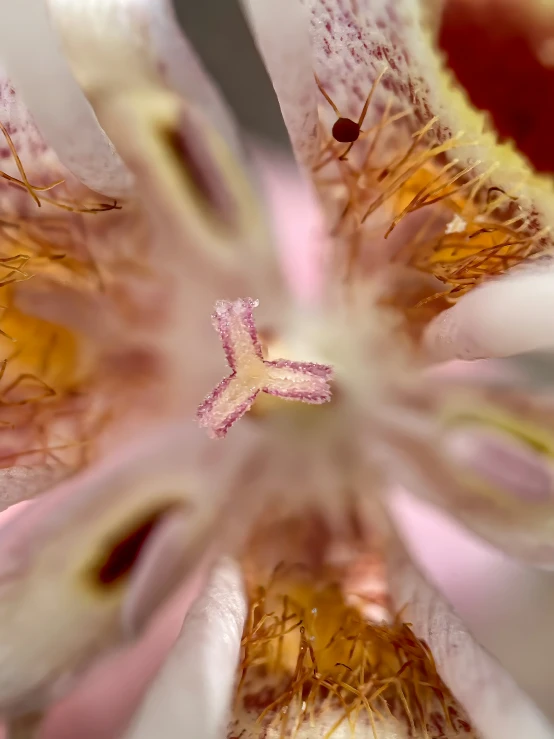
[[122, 552], [191, 151]]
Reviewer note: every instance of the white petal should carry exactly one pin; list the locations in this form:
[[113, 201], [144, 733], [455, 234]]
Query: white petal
[[509, 315], [495, 704], [73, 564], [281, 30], [116, 44], [496, 596], [206, 223], [30, 52], [192, 694], [481, 446]]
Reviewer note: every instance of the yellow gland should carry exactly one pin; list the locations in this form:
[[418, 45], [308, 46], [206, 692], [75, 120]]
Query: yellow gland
[[309, 653]]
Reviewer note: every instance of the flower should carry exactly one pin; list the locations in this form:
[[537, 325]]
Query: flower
[[420, 218]]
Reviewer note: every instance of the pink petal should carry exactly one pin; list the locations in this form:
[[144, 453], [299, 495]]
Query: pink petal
[[105, 699], [483, 450], [496, 596], [495, 704]]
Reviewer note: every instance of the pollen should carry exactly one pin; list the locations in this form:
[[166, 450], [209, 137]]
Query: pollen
[[312, 660]]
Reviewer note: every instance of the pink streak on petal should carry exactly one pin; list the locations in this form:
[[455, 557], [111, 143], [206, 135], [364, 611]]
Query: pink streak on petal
[[297, 222], [509, 465]]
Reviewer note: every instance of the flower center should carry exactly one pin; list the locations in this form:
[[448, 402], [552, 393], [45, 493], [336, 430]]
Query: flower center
[[314, 657], [252, 374]]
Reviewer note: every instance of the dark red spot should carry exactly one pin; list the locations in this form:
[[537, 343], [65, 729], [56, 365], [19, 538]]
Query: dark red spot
[[345, 131], [189, 147], [491, 47], [124, 554]]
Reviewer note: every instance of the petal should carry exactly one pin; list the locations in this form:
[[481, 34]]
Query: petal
[[193, 691], [105, 700], [509, 315], [483, 449], [281, 31], [116, 45], [385, 56], [206, 222], [75, 564], [297, 223], [351, 44], [59, 107], [495, 596], [496, 705]]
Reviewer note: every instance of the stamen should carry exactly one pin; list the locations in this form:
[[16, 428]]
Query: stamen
[[309, 660], [490, 236], [33, 189], [44, 416], [251, 373]]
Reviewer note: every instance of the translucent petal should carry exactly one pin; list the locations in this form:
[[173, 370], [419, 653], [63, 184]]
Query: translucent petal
[[74, 564], [114, 45], [31, 54], [509, 315]]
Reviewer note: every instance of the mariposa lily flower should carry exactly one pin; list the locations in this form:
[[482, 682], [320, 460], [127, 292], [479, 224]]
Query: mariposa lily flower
[[326, 628]]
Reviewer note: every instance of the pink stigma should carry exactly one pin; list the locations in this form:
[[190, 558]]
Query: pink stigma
[[251, 373]]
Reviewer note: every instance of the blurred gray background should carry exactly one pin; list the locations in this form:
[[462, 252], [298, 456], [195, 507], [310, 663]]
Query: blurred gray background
[[222, 39]]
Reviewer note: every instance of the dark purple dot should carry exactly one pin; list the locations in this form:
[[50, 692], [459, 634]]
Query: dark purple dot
[[345, 131]]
